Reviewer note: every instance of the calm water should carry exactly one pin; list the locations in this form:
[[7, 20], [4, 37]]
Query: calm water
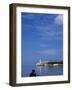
[[41, 71]]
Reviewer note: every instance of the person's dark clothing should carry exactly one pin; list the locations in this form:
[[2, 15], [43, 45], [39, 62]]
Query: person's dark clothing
[[32, 74]]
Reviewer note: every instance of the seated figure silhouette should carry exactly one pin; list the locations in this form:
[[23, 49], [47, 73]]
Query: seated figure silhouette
[[32, 74]]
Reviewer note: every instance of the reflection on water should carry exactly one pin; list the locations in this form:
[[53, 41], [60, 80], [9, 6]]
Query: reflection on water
[[49, 70]]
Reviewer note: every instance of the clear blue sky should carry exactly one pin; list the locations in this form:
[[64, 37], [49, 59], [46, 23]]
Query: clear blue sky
[[42, 36]]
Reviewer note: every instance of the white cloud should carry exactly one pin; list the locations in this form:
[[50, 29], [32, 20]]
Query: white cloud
[[47, 32], [43, 45], [59, 20], [48, 52]]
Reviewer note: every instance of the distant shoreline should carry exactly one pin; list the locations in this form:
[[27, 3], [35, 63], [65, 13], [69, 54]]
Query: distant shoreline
[[53, 63]]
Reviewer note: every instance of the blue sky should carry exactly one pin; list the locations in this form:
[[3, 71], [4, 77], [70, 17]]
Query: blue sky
[[42, 36]]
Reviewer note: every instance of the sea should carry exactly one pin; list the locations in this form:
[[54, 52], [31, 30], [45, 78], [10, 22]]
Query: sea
[[42, 70]]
